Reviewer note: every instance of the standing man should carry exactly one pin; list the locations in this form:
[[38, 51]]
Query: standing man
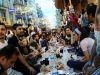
[[21, 65]]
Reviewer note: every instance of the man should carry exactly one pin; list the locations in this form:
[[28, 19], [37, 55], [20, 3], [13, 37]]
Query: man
[[84, 19], [8, 56], [46, 39], [91, 10], [3, 42], [68, 36], [21, 64], [96, 47]]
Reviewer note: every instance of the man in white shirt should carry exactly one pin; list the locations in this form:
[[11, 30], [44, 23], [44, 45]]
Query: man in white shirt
[[3, 42], [5, 62]]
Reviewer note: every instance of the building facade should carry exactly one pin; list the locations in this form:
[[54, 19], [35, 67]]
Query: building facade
[[8, 10], [4, 13], [78, 5], [59, 17], [17, 11]]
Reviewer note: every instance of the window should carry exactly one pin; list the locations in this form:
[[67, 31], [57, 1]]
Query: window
[[21, 1], [0, 2], [3, 13]]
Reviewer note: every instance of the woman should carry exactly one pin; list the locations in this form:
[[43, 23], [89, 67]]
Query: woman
[[86, 44]]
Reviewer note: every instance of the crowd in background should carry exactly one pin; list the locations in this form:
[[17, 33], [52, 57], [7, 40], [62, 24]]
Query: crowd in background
[[27, 44]]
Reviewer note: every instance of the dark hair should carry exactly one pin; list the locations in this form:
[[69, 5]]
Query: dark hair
[[8, 51], [34, 35], [43, 35], [48, 34], [85, 32], [8, 32], [83, 11], [91, 9], [16, 25], [54, 33], [29, 25], [2, 24], [91, 22]]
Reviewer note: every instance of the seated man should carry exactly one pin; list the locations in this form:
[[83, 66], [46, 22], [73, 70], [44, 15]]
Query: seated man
[[86, 45], [8, 56]]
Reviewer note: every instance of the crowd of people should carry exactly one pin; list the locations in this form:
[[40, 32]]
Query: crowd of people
[[21, 50]]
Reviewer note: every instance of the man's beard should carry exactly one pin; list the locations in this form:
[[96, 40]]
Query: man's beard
[[2, 36], [20, 35]]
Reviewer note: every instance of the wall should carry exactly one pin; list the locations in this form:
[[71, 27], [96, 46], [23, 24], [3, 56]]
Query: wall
[[92, 1]]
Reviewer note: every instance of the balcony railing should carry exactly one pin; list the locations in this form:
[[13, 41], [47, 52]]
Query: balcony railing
[[19, 2]]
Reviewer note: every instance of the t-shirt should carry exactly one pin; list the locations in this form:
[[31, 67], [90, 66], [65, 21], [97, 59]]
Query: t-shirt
[[13, 41], [87, 44], [3, 44]]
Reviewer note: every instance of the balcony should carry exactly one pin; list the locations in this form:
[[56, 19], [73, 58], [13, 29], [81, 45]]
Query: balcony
[[4, 3], [19, 2]]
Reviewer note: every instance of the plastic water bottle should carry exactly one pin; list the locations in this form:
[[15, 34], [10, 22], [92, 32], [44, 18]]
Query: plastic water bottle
[[52, 60], [54, 71], [53, 65]]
